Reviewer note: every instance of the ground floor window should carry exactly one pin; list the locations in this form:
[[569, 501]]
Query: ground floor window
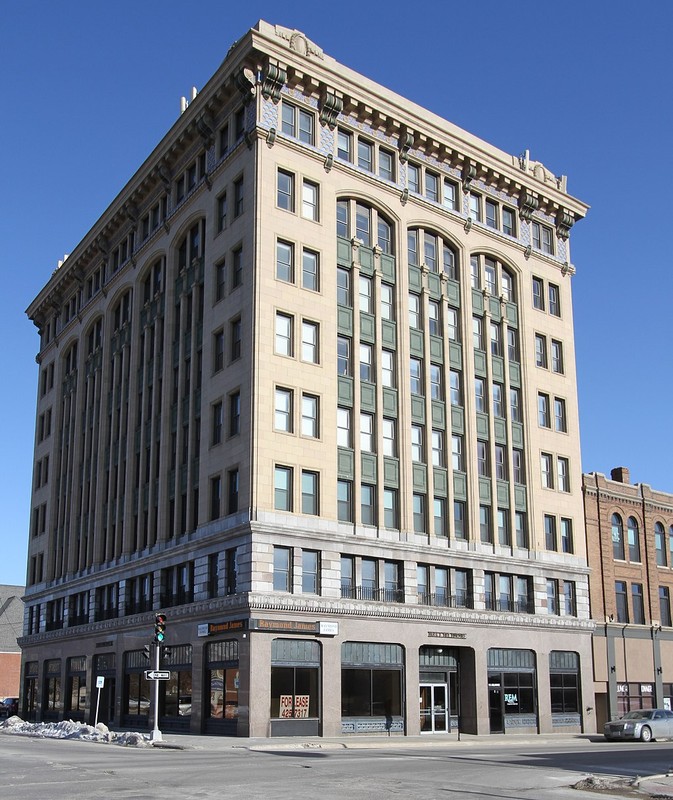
[[29, 694], [52, 687], [511, 689], [295, 673], [564, 682], [75, 699], [136, 700], [222, 680], [371, 685], [175, 694], [634, 696]]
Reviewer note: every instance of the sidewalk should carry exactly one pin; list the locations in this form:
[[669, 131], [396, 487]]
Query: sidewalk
[[653, 786]]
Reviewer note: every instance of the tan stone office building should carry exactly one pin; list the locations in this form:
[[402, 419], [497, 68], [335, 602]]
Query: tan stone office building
[[630, 551], [308, 387]]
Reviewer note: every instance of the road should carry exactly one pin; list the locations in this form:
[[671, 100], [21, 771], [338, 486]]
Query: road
[[36, 769]]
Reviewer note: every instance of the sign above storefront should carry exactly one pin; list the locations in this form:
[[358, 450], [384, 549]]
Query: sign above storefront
[[328, 628], [230, 626], [446, 635], [283, 626]]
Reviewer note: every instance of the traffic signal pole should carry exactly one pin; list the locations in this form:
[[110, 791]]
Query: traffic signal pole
[[155, 735]]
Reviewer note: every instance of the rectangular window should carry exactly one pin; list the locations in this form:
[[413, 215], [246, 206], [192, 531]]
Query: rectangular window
[[310, 572], [434, 321], [297, 123], [365, 155], [344, 427], [220, 280], [436, 388], [491, 214], [235, 338], [418, 511], [560, 422], [542, 238], [309, 416], [497, 392], [557, 356], [485, 530], [450, 195], [344, 356], [665, 606], [515, 404], [366, 294], [540, 351], [387, 302], [550, 532], [569, 601], [386, 165], [218, 351], [237, 267], [285, 190], [215, 497], [238, 197], [309, 200], [459, 529], [217, 425], [344, 145], [309, 492], [414, 178], [547, 468], [415, 320], [452, 324], [477, 333], [221, 212], [234, 413], [310, 271], [232, 491], [521, 529], [283, 345], [389, 438], [390, 517], [282, 485], [283, 410], [475, 206], [482, 459], [366, 363], [457, 453], [637, 603], [281, 569], [554, 300], [501, 462], [439, 516], [417, 436], [562, 474], [344, 287], [367, 444], [496, 339], [344, 501], [508, 221], [367, 504], [552, 596], [309, 342], [621, 602], [455, 392], [432, 187], [512, 345], [567, 544], [538, 294], [503, 527], [543, 418], [415, 376], [388, 368], [438, 448], [285, 261], [480, 394]]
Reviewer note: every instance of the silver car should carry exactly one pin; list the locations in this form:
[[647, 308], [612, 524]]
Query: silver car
[[646, 725]]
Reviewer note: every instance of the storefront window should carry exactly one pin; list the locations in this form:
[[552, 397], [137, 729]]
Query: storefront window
[[371, 681], [564, 682], [76, 694], [295, 679], [52, 686], [222, 686]]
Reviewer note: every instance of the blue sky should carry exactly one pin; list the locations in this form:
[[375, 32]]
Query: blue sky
[[90, 87]]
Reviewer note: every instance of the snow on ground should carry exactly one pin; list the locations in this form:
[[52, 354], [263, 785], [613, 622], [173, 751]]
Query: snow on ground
[[67, 729]]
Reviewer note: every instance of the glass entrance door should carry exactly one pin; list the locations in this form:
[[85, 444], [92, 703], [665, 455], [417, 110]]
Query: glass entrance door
[[433, 708]]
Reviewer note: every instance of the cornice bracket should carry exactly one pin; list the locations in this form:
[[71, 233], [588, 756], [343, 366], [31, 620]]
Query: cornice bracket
[[528, 203], [331, 105], [275, 77]]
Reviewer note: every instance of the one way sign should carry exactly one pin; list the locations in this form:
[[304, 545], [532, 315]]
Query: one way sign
[[157, 674]]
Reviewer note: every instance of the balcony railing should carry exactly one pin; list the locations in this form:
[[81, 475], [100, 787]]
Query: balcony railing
[[520, 605], [351, 592], [459, 600]]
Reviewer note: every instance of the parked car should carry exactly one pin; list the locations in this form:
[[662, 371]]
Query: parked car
[[646, 725], [9, 706]]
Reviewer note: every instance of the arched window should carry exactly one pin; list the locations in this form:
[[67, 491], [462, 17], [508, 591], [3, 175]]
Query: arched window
[[660, 544], [370, 226], [192, 246], [122, 312], [427, 247], [154, 281], [617, 538], [94, 338], [634, 540], [491, 275], [70, 360]]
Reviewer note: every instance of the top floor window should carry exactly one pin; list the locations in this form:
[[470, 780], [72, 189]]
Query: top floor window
[[297, 123], [617, 538], [542, 238]]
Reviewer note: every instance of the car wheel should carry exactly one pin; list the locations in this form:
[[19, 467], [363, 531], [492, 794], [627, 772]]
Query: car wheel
[[646, 734]]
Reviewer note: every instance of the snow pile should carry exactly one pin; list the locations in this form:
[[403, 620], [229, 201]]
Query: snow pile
[[67, 729]]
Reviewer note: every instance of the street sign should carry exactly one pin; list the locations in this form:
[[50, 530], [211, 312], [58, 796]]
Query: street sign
[[100, 681], [157, 674]]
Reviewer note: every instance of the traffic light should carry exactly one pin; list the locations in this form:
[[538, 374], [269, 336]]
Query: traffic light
[[166, 651], [147, 649], [159, 628]]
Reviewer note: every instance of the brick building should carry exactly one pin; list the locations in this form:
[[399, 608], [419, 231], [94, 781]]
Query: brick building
[[630, 551], [11, 628]]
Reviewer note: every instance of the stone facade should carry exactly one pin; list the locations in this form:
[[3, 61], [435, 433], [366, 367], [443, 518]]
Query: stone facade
[[308, 387]]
